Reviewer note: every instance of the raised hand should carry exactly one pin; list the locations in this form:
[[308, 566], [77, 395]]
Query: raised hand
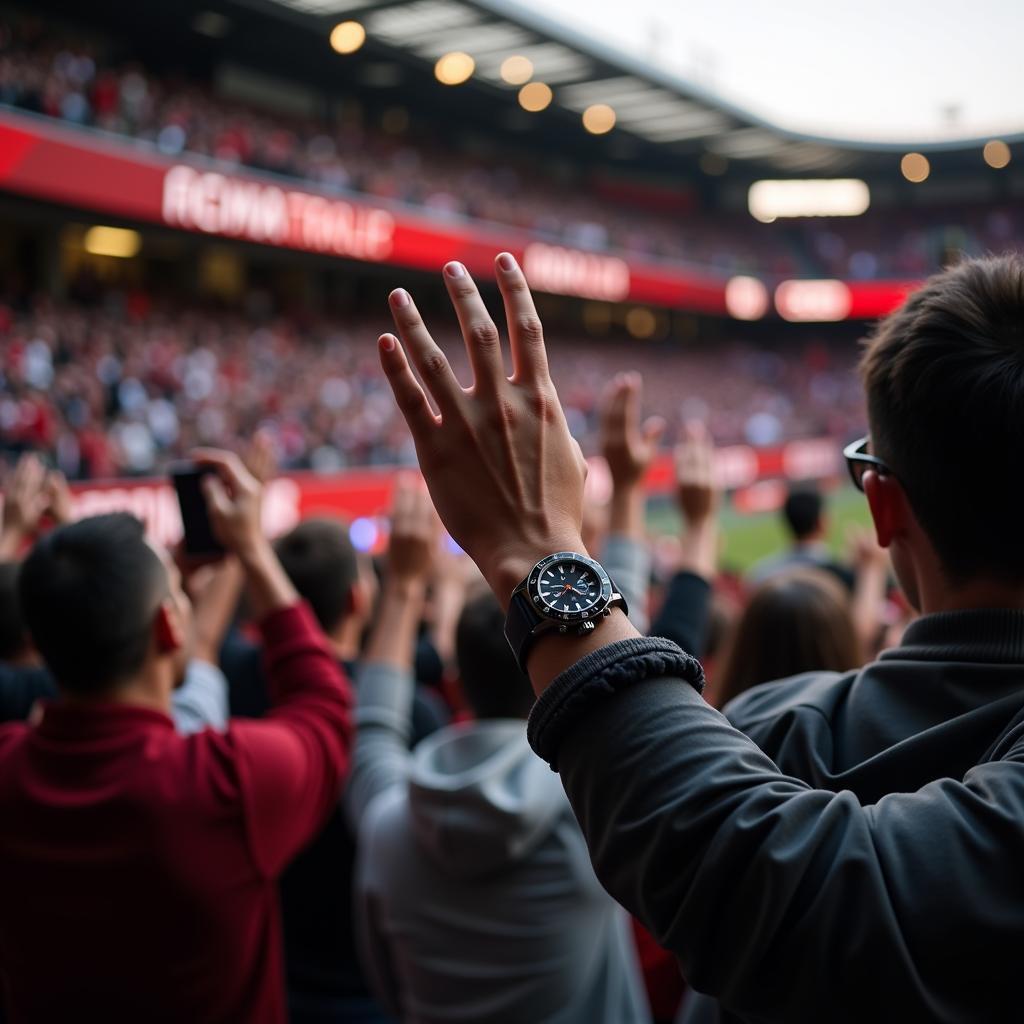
[[415, 531], [628, 447], [698, 495], [697, 490], [505, 474]]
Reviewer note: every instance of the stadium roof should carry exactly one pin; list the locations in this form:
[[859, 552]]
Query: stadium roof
[[650, 103]]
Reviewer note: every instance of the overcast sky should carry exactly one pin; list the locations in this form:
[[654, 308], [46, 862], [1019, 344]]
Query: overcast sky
[[883, 69]]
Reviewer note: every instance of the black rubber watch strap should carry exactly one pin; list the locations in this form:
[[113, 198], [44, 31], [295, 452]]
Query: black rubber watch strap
[[520, 622]]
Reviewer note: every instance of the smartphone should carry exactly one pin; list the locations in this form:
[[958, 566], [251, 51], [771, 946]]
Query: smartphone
[[200, 541]]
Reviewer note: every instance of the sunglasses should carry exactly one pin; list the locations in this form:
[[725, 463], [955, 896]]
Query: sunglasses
[[859, 461]]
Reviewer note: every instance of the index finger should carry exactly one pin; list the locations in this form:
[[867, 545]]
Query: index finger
[[529, 357], [228, 463]]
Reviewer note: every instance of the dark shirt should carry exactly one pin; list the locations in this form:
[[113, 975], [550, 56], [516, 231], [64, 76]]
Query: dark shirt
[[876, 876], [20, 688], [321, 955]]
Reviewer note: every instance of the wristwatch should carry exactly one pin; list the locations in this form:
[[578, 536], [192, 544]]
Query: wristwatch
[[564, 593]]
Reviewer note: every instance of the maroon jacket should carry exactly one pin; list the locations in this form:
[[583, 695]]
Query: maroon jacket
[[138, 867]]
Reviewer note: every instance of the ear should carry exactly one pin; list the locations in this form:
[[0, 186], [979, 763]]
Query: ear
[[888, 504], [170, 636]]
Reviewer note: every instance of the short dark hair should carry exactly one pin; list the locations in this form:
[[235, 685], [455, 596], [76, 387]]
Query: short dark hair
[[491, 679], [944, 378], [802, 510], [89, 592], [321, 563], [14, 637]]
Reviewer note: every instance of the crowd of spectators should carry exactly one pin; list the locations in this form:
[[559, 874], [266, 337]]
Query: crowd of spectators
[[281, 782], [70, 78], [125, 387]]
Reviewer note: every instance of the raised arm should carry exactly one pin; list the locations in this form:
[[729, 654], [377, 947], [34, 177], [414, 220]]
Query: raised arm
[[386, 680], [684, 613], [629, 448], [292, 763], [785, 902]]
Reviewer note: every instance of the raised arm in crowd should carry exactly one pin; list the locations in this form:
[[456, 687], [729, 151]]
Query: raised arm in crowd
[[783, 898]]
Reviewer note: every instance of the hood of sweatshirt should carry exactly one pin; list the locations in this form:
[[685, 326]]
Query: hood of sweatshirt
[[480, 798]]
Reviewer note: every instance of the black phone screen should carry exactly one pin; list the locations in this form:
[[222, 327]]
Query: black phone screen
[[199, 536]]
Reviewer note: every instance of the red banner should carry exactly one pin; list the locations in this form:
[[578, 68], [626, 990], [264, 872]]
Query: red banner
[[363, 497], [106, 175]]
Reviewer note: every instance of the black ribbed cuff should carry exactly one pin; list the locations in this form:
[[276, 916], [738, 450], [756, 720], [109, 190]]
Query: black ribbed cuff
[[596, 677]]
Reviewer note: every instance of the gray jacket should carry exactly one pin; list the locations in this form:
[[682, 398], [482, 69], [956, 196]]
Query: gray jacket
[[475, 894], [801, 899]]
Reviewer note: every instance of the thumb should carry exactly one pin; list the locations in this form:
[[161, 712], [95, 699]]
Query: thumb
[[217, 501]]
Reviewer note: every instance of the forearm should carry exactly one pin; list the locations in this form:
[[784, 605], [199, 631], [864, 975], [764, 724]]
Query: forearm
[[698, 549], [393, 638], [684, 614], [627, 510], [268, 585], [383, 732], [215, 608], [628, 561]]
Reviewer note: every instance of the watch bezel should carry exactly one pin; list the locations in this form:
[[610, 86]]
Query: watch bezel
[[596, 610]]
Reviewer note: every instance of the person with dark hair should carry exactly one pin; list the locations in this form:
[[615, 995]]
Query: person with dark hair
[[866, 861], [476, 898], [803, 513], [797, 621], [138, 866], [31, 495]]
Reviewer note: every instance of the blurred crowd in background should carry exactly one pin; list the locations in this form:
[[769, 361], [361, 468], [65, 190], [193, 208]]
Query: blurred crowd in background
[[72, 78], [128, 386]]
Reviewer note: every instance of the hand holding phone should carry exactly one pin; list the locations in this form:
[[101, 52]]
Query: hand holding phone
[[200, 541]]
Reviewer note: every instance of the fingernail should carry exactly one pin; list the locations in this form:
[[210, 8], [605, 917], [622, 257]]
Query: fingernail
[[507, 261], [387, 342], [455, 270], [400, 298]]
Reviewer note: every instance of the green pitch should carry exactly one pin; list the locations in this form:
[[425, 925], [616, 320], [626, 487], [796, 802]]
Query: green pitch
[[750, 537]]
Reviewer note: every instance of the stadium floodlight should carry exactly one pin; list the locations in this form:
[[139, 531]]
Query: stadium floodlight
[[814, 197], [535, 96], [996, 154], [915, 167], [517, 69], [121, 243], [746, 298], [803, 301], [454, 68], [347, 37], [599, 119]]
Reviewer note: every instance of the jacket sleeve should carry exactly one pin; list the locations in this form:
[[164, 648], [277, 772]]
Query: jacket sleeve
[[292, 763], [684, 614], [371, 940], [628, 562], [784, 902], [384, 726]]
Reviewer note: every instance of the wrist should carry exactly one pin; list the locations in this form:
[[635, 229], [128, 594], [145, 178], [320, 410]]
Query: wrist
[[254, 555], [509, 568], [405, 587]]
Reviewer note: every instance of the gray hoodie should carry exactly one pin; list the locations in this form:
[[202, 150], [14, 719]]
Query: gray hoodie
[[475, 893]]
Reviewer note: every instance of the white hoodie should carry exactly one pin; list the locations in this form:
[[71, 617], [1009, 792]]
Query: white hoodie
[[475, 893]]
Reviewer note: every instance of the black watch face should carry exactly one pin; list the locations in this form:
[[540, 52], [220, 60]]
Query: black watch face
[[570, 588]]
